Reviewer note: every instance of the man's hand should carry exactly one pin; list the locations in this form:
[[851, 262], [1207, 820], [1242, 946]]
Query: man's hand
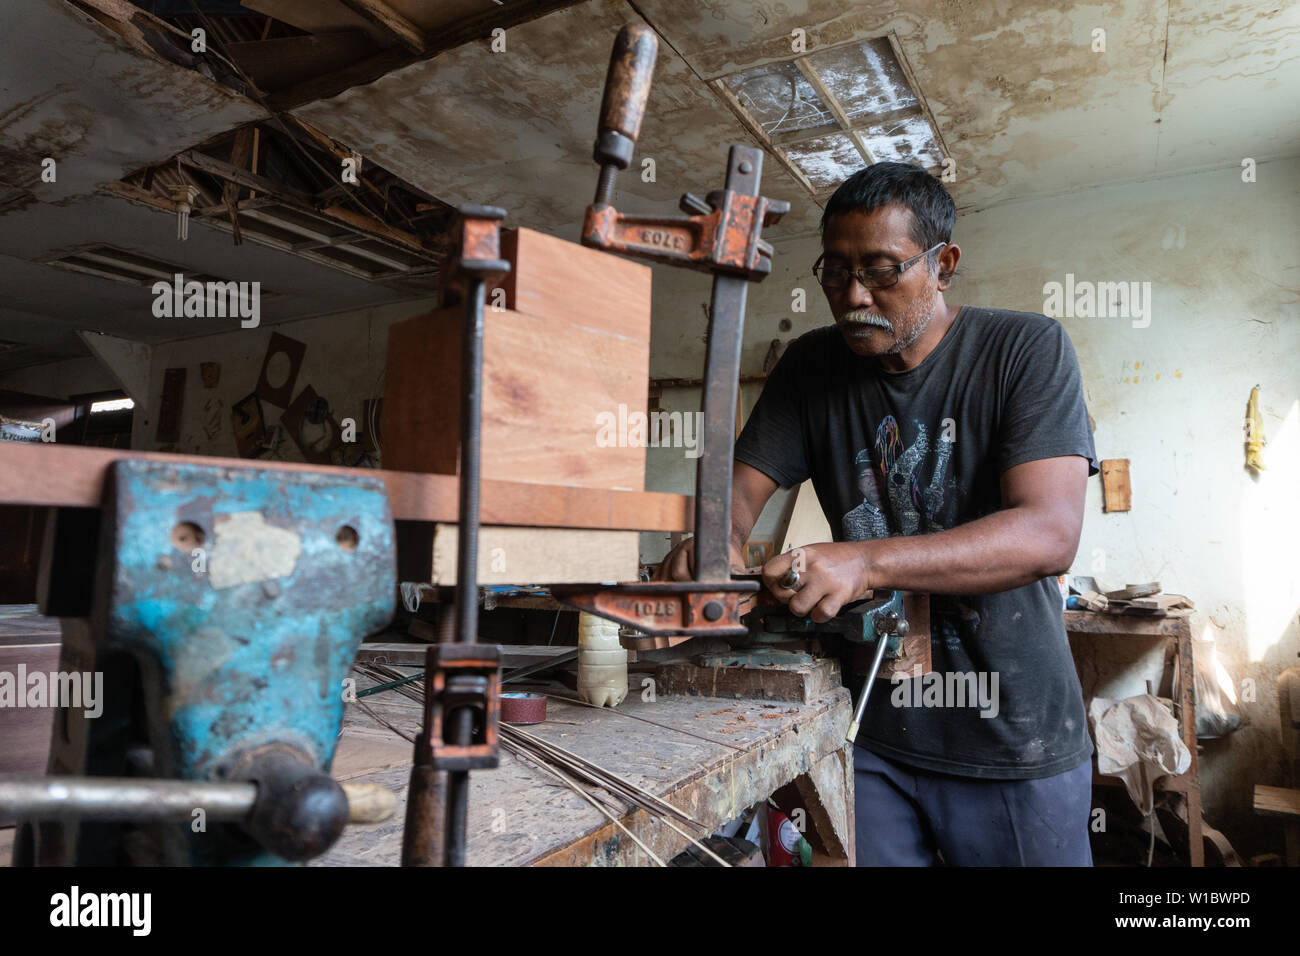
[[679, 563], [830, 576]]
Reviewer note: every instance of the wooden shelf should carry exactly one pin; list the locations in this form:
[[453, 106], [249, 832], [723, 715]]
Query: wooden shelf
[[1176, 627]]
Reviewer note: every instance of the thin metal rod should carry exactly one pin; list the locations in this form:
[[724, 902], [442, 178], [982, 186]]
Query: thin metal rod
[[882, 642], [588, 797], [123, 798]]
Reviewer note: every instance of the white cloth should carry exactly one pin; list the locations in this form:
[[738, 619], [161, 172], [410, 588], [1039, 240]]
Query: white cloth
[[1138, 740]]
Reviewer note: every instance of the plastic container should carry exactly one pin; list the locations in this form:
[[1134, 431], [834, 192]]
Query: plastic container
[[602, 662]]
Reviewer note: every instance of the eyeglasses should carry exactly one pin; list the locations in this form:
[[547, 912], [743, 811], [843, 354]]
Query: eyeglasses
[[835, 278]]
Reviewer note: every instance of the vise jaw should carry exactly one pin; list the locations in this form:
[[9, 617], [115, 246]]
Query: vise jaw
[[881, 616], [229, 604]]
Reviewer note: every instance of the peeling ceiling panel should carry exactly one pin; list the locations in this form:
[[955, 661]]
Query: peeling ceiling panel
[[74, 91], [1025, 105], [515, 129]]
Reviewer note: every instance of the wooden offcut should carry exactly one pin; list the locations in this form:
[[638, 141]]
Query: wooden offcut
[[1277, 802], [1115, 491], [566, 341], [807, 522], [540, 555]]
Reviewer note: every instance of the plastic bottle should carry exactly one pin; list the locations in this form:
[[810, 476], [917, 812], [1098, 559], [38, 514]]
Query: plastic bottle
[[602, 662]]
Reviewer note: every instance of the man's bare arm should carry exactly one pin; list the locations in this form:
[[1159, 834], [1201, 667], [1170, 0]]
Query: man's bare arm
[[1034, 536], [750, 491]]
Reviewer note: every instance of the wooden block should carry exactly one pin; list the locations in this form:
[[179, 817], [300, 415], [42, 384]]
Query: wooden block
[[571, 345], [1115, 491], [1162, 602], [800, 682], [807, 523], [540, 555], [1093, 600]]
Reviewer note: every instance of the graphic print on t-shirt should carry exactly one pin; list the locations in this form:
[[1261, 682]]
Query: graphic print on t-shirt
[[890, 482]]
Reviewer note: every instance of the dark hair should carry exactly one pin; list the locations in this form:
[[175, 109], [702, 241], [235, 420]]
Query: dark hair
[[933, 211]]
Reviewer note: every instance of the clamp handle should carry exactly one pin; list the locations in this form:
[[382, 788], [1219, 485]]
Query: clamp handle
[[627, 87]]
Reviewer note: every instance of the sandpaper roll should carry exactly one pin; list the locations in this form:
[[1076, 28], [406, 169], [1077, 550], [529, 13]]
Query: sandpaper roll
[[519, 708]]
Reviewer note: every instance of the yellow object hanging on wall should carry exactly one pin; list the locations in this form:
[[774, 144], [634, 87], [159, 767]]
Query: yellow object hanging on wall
[[1254, 432]]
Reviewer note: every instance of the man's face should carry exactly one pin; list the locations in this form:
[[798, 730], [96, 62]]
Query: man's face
[[879, 321]]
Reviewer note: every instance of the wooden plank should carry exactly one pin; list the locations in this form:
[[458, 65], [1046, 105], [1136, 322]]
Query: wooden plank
[[569, 354], [373, 227], [73, 477], [382, 15], [233, 174], [318, 16], [540, 556], [1277, 802], [1088, 622], [283, 61], [1115, 490]]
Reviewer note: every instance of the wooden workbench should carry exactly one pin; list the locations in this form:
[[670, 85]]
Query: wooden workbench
[[741, 752]]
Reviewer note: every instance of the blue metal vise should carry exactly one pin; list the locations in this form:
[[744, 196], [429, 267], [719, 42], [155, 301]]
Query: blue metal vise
[[862, 622], [228, 608]]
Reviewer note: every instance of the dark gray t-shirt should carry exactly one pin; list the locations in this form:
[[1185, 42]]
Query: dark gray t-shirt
[[923, 451]]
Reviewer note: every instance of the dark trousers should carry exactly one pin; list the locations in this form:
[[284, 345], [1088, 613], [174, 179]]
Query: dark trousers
[[910, 817]]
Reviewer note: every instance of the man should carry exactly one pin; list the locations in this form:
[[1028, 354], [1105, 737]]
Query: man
[[949, 447]]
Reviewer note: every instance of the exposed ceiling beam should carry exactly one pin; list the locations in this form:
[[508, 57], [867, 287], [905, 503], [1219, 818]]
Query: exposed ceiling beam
[[229, 173], [381, 14], [453, 35]]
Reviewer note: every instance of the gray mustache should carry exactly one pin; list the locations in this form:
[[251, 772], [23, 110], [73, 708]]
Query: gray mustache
[[863, 317]]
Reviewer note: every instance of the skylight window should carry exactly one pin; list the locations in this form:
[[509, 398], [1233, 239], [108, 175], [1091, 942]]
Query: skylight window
[[831, 112]]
